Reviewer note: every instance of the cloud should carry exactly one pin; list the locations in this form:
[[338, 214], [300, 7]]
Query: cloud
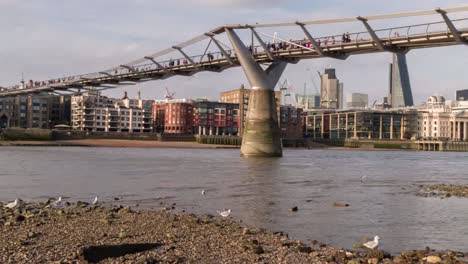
[[242, 3], [51, 39]]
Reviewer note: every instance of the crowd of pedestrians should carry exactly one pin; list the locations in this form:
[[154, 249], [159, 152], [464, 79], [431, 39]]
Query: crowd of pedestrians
[[273, 46]]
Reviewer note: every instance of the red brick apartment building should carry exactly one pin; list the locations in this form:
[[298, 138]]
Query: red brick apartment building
[[216, 119], [173, 117]]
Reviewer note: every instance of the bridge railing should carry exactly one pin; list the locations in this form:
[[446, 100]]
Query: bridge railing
[[331, 41]]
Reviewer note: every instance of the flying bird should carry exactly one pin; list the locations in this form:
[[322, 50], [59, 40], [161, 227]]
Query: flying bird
[[12, 204], [225, 213], [95, 200], [372, 244], [363, 178], [203, 192]]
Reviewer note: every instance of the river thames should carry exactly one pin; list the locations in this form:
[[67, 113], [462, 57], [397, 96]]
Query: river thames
[[260, 192]]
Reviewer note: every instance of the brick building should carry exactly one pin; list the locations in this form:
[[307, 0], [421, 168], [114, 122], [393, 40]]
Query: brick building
[[291, 122], [30, 111], [216, 118], [241, 96], [173, 116]]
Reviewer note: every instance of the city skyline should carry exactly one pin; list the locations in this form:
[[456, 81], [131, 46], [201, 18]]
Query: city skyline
[[105, 41]]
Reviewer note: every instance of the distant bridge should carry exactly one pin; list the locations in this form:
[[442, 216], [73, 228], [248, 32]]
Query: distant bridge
[[394, 39], [262, 137]]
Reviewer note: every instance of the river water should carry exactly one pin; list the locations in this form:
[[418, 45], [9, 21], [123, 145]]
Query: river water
[[261, 191]]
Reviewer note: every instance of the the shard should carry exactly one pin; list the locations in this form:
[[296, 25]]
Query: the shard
[[400, 86]]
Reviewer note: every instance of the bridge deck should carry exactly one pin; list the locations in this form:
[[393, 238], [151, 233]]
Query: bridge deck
[[292, 52]]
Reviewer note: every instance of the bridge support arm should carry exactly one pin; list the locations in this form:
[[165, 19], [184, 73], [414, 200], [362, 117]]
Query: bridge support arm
[[106, 73], [265, 48], [128, 68], [157, 64], [227, 56], [262, 135], [255, 74], [311, 39], [456, 34], [184, 54], [374, 36]]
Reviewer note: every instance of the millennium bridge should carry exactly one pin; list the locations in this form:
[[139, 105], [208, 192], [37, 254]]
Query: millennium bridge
[[262, 136]]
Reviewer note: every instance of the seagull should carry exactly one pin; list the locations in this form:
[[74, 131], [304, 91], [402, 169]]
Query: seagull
[[57, 202], [225, 213], [372, 244], [203, 192], [363, 178], [95, 200], [12, 204]]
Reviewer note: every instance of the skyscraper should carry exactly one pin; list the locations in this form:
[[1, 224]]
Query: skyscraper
[[462, 95], [400, 94], [358, 100], [330, 90]]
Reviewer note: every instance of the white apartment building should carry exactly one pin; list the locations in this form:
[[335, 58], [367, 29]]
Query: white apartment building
[[93, 112], [440, 121]]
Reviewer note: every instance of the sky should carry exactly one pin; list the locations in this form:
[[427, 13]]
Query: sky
[[45, 39]]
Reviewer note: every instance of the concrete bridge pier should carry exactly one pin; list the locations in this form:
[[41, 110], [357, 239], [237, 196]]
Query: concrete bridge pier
[[262, 135]]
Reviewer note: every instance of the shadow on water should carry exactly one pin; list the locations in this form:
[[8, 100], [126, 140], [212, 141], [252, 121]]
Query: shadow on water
[[261, 174]]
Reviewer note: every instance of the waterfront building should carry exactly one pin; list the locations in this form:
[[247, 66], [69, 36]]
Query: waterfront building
[[462, 95], [29, 111], [400, 94], [438, 120], [331, 90], [94, 112], [358, 100], [241, 96], [216, 118], [291, 122], [59, 108], [362, 124], [173, 116]]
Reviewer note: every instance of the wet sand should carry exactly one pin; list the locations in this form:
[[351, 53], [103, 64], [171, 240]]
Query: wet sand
[[115, 143]]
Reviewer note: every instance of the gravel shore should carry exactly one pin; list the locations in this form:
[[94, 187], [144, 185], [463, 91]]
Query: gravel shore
[[78, 233], [443, 190]]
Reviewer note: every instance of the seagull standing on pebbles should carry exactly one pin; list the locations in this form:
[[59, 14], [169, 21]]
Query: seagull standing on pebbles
[[95, 200], [203, 192], [225, 213], [12, 204], [57, 202], [372, 244]]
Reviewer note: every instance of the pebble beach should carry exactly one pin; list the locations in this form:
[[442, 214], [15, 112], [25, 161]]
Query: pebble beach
[[82, 233]]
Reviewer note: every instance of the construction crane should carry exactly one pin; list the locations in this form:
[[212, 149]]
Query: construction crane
[[169, 95], [287, 90]]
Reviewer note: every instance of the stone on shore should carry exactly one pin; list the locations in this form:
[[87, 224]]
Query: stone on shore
[[121, 235]]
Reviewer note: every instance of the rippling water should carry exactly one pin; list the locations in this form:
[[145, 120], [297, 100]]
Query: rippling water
[[260, 191]]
